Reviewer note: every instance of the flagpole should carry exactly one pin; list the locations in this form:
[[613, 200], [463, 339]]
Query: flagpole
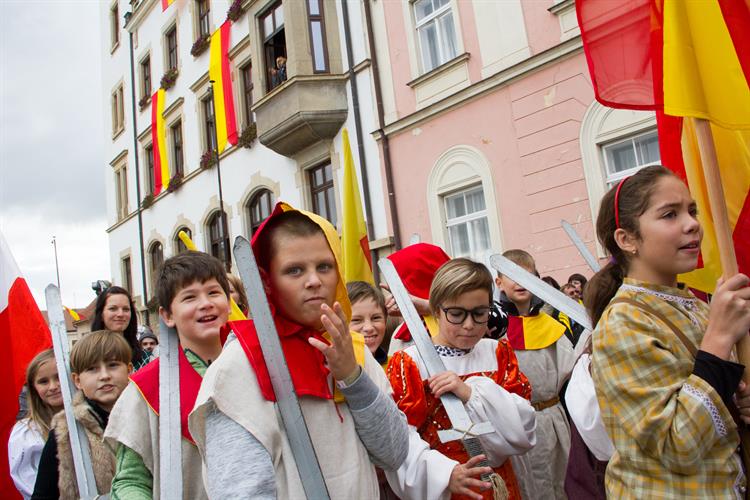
[[57, 267], [224, 227], [727, 256], [137, 174]]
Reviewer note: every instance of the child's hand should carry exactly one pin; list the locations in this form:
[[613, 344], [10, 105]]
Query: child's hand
[[462, 478], [742, 399], [729, 318], [421, 305], [449, 382], [340, 353]]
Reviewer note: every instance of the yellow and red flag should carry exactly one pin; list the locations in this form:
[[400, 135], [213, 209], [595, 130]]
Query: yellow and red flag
[[684, 60], [220, 72], [73, 314], [165, 4], [159, 142], [354, 241], [533, 332]]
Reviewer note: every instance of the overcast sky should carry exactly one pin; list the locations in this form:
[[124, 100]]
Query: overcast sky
[[51, 144]]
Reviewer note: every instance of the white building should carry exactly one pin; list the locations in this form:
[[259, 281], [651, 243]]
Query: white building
[[297, 156]]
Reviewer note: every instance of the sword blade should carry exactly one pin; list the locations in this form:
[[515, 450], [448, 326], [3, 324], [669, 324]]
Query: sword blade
[[286, 399], [79, 442], [581, 246], [170, 422]]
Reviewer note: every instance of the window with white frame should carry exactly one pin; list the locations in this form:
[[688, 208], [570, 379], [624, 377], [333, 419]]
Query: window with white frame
[[436, 32], [121, 190], [626, 156], [466, 220]]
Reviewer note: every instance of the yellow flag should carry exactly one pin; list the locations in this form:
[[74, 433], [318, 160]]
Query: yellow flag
[[354, 242]]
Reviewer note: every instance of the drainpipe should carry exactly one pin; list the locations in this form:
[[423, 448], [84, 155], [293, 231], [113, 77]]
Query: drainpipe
[[358, 129], [381, 126], [137, 173]]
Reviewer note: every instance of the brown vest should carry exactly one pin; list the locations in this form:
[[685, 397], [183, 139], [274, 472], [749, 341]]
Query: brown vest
[[102, 456]]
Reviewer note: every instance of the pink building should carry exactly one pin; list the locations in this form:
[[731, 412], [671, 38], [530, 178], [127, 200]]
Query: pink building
[[492, 131]]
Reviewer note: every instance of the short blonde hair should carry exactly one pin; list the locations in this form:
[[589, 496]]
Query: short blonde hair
[[521, 258], [95, 347], [456, 277]]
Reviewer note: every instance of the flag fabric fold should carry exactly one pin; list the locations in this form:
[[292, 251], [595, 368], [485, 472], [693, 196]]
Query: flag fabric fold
[[24, 334], [220, 72], [165, 4], [686, 61], [159, 142], [354, 241]]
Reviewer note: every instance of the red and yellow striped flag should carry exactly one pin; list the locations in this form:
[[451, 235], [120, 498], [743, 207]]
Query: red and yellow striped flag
[[684, 60], [219, 71], [159, 142], [165, 4], [73, 314], [354, 241]]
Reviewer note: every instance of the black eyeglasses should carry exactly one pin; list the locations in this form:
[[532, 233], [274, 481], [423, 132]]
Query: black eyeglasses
[[457, 315]]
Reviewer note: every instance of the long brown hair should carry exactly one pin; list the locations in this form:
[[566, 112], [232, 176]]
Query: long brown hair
[[39, 412], [633, 201]]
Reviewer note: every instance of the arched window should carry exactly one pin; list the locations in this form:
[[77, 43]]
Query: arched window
[[156, 256], [259, 208], [219, 239], [178, 244]]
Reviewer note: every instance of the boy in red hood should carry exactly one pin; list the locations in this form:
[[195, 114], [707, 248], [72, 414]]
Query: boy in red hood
[[344, 394]]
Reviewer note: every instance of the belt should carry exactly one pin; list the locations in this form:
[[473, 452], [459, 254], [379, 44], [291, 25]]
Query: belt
[[541, 405]]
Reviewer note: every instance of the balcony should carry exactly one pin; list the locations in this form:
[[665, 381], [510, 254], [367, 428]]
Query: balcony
[[302, 111]]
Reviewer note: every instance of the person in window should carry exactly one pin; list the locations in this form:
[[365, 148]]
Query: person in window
[[278, 74]]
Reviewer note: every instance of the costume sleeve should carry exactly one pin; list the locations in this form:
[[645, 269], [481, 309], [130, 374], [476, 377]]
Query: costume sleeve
[[408, 388], [425, 473], [23, 467], [674, 416], [511, 415], [133, 480], [584, 410], [508, 374], [46, 487], [380, 425], [237, 465]]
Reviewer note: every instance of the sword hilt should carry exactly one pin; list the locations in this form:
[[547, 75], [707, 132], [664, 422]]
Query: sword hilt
[[474, 448]]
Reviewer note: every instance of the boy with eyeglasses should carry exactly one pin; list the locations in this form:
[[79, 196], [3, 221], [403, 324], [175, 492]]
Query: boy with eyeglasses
[[545, 356], [480, 371]]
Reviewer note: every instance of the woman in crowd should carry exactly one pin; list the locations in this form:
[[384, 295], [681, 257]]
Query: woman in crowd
[[29, 434], [115, 312]]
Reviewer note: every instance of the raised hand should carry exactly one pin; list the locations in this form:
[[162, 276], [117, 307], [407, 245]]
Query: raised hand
[[339, 353], [729, 318]]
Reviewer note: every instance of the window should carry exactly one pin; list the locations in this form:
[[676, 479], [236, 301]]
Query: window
[[321, 192], [178, 161], [626, 157], [219, 239], [179, 245], [317, 36], [259, 208], [114, 25], [148, 153], [127, 280], [172, 48], [466, 220], [121, 192], [156, 256], [118, 110], [435, 31], [146, 77], [204, 29], [274, 45], [208, 123], [247, 92]]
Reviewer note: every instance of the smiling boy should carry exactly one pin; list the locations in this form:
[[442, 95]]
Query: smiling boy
[[352, 424], [193, 294], [100, 364]]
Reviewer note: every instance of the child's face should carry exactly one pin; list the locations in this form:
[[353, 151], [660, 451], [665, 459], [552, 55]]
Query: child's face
[[116, 313], [148, 344], [198, 311], [469, 332], [368, 319], [302, 276], [103, 382], [515, 292], [47, 384], [670, 235]]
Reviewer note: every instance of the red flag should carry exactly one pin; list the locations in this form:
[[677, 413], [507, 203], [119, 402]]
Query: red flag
[[23, 334]]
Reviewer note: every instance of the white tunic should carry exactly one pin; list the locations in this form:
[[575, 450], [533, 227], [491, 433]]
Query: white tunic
[[24, 451]]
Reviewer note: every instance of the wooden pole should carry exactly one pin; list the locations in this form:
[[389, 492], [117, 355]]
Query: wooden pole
[[717, 201]]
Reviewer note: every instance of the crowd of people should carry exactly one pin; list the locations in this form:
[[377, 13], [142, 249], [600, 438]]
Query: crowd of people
[[649, 405]]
